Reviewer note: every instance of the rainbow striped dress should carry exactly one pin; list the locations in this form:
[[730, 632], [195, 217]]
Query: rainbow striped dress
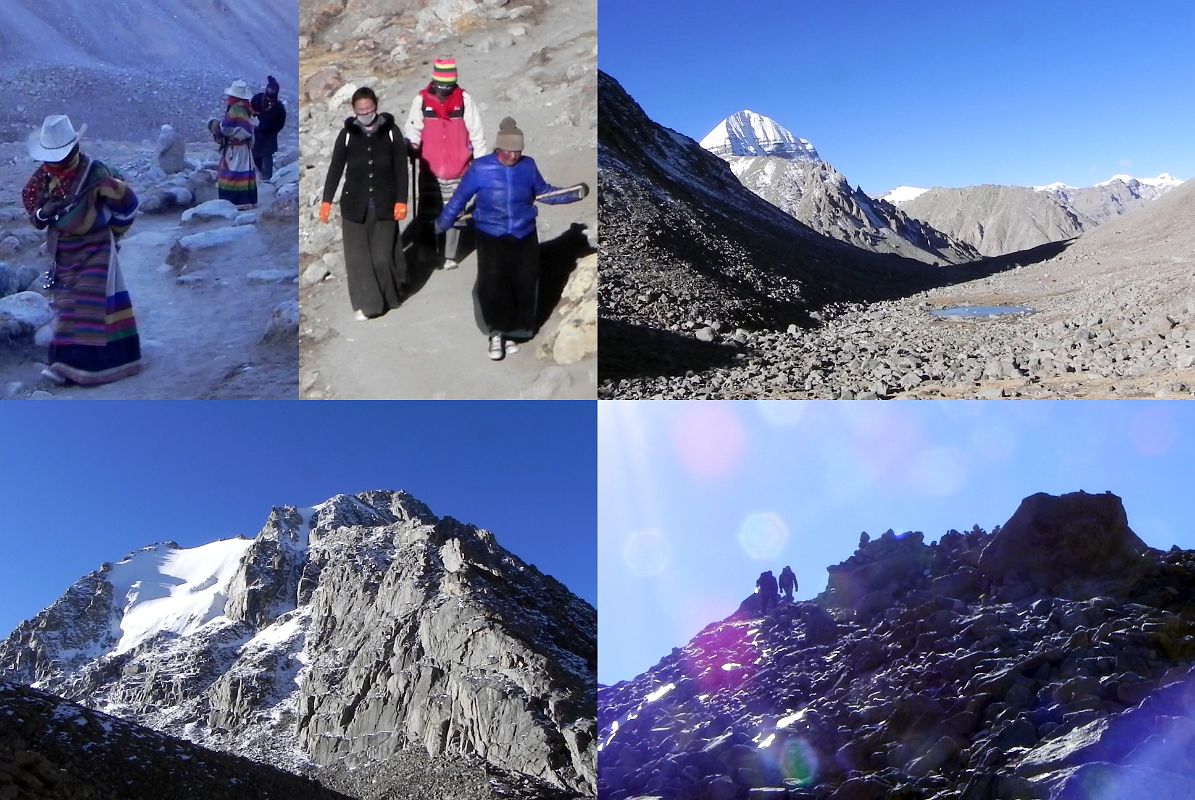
[[95, 337], [236, 182]]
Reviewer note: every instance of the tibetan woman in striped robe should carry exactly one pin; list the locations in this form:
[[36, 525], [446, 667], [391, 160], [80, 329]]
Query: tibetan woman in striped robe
[[85, 208], [237, 182]]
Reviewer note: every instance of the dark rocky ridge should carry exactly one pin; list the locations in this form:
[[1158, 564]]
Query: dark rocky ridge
[[52, 749], [357, 633], [934, 671]]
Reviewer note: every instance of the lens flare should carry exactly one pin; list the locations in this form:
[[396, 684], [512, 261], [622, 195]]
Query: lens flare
[[796, 759], [710, 440], [938, 471], [646, 553], [1153, 430], [782, 413], [762, 535]]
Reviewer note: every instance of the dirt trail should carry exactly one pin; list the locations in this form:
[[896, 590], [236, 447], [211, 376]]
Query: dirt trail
[[200, 340], [433, 346]]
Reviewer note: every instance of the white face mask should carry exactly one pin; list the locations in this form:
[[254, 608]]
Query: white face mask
[[367, 119]]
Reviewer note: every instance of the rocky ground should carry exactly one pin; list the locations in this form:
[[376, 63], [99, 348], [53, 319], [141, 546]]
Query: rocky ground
[[1052, 658], [535, 61], [52, 749], [214, 291], [125, 68], [1111, 318]]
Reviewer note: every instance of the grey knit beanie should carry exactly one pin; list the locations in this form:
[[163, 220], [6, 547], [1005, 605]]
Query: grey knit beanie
[[509, 136]]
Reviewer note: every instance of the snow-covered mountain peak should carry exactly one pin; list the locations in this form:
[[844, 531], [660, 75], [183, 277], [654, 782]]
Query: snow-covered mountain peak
[[1056, 186], [746, 133], [1163, 181], [263, 645]]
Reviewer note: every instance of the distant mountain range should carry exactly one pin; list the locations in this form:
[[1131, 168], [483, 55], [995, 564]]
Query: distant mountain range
[[997, 220]]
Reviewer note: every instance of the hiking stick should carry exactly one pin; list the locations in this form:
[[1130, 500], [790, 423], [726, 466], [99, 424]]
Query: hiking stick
[[545, 196]]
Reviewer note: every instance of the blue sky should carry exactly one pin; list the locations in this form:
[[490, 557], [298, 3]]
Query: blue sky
[[931, 93], [89, 482], [697, 498]]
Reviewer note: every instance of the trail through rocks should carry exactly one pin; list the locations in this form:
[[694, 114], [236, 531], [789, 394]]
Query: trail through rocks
[[535, 62], [203, 321]]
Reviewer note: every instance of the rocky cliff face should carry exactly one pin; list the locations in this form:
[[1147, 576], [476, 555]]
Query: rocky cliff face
[[1017, 664], [346, 633], [998, 219]]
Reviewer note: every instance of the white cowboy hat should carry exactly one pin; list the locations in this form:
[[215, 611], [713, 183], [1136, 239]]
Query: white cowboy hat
[[55, 139], [239, 89]]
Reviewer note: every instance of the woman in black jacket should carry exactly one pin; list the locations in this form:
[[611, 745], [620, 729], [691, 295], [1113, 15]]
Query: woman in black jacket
[[372, 155]]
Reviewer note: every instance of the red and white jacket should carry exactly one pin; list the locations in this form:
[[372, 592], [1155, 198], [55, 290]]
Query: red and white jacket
[[447, 132]]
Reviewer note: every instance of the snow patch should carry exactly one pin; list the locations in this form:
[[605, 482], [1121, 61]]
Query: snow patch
[[168, 589], [903, 194]]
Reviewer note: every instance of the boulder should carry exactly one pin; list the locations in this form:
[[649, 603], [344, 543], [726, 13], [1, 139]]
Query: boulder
[[181, 251], [23, 313], [16, 279], [212, 209], [1052, 538], [284, 323], [172, 151]]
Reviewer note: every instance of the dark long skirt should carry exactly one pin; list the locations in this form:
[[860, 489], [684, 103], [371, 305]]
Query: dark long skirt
[[508, 283], [374, 264]]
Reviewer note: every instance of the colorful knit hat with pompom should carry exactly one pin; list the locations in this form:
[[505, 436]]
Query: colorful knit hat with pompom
[[444, 70]]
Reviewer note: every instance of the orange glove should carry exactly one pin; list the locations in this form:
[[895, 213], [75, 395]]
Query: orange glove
[[325, 211], [400, 212]]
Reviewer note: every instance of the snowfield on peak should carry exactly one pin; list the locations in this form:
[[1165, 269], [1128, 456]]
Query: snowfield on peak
[[1163, 181], [903, 194], [749, 134], [172, 589]]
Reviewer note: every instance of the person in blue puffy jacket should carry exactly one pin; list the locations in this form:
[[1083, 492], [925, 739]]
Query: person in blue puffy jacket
[[506, 184]]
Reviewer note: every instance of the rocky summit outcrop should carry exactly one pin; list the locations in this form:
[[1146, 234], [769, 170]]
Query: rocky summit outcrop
[[360, 631], [916, 675], [53, 749], [1054, 539]]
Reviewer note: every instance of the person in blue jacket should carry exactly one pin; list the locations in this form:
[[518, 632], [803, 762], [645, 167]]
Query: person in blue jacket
[[506, 184]]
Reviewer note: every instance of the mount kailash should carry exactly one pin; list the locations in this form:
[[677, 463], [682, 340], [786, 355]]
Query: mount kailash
[[787, 171]]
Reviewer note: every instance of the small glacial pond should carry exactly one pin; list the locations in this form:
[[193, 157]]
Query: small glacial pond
[[980, 312]]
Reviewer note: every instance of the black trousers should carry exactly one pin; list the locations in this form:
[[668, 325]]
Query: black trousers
[[508, 283], [374, 263]]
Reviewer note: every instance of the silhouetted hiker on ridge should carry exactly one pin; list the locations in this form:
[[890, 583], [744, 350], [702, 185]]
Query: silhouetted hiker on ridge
[[788, 582], [768, 593]]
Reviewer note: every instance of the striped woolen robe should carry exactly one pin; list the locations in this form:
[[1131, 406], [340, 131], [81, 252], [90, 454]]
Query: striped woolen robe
[[236, 181], [95, 337]]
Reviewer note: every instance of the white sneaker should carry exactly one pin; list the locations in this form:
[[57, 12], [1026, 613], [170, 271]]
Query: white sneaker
[[360, 316], [54, 376], [496, 350], [450, 263], [511, 347]]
